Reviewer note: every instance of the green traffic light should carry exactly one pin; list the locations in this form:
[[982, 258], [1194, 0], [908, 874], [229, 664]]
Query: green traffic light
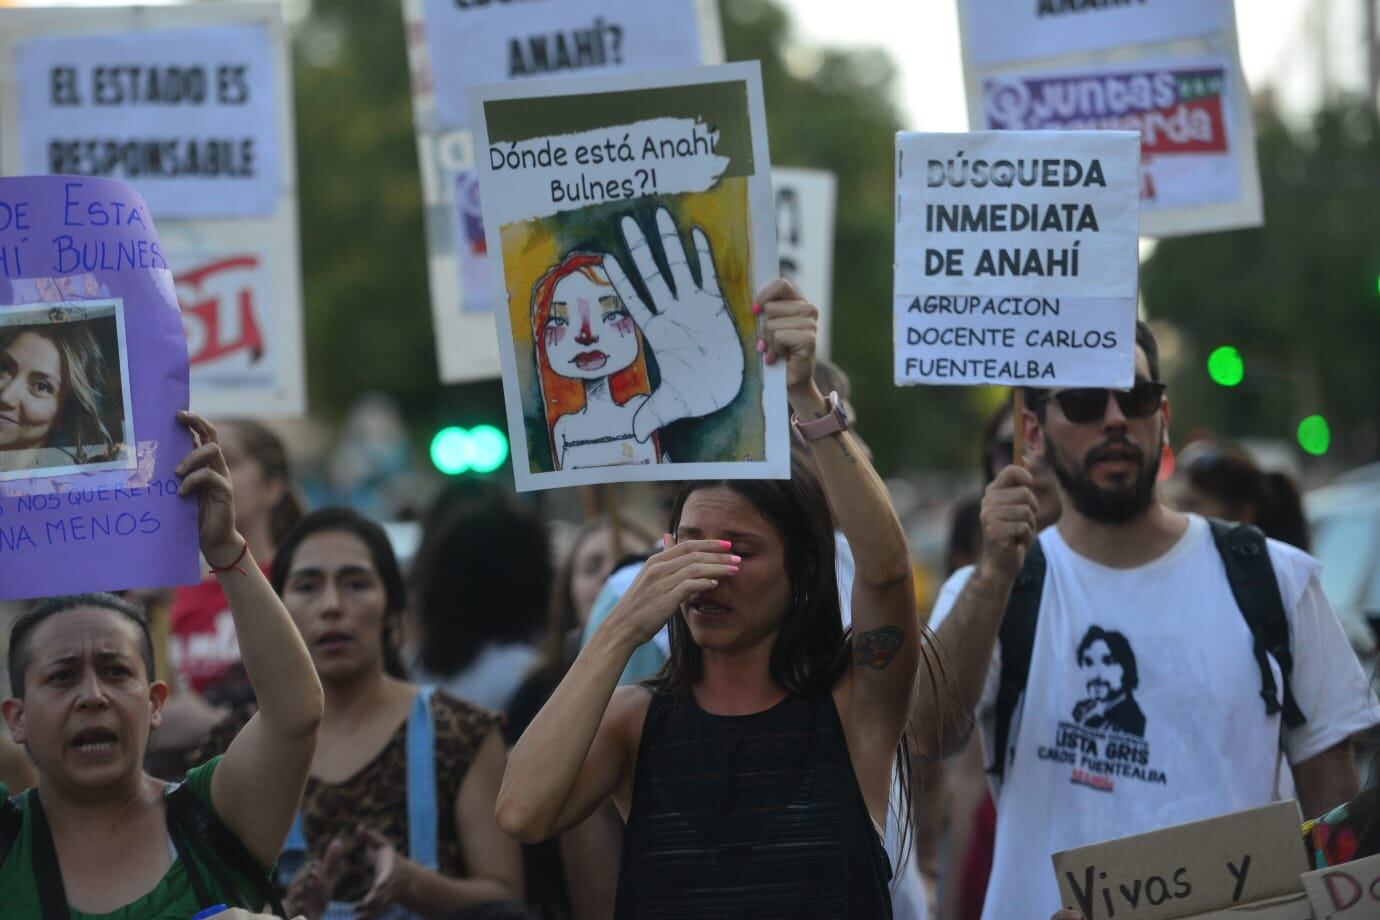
[[1315, 436], [488, 448], [450, 450], [481, 449], [1225, 366]]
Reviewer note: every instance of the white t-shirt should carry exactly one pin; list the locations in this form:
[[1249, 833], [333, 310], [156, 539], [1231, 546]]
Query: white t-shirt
[[1143, 707]]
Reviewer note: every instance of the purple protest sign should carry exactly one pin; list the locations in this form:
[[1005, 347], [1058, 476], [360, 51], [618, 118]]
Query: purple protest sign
[[93, 368]]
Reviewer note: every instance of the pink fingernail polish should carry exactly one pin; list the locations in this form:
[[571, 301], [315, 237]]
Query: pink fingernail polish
[[735, 559], [756, 309], [733, 570], [761, 346], [725, 544]]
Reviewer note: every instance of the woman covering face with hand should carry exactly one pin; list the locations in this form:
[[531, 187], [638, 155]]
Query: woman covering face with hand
[[54, 382], [754, 771], [93, 837]]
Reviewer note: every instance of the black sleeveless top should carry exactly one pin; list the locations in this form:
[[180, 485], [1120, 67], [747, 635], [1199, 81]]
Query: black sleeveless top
[[757, 817]]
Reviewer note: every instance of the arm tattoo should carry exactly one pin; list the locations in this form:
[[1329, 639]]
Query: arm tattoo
[[875, 649]]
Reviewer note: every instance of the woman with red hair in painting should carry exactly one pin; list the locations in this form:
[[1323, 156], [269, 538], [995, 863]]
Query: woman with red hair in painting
[[589, 326]]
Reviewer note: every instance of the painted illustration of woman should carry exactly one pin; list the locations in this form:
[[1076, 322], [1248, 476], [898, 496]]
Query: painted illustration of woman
[[53, 382], [589, 328]]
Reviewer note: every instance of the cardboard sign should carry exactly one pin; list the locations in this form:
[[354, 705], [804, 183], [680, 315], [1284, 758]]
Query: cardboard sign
[[1188, 869], [631, 220], [1016, 258], [1001, 31], [1288, 907], [805, 239], [169, 84], [187, 115], [93, 368], [1350, 891]]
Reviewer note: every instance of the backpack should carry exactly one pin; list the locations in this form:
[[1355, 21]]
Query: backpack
[[195, 830], [1246, 557]]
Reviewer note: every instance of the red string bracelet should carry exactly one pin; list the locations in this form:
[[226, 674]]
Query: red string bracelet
[[234, 566]]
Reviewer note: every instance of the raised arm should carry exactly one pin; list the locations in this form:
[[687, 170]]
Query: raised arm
[[886, 629], [968, 634], [257, 787], [580, 748]]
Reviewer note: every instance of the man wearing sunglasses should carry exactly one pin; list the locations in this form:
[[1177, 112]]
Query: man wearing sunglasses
[[1119, 563]]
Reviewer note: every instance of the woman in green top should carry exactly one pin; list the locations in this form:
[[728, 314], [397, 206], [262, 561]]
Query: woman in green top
[[100, 837]]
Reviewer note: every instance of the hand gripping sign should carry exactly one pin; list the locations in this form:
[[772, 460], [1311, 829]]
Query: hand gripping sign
[[93, 367]]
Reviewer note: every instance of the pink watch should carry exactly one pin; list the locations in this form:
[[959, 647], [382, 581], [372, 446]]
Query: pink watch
[[832, 422]]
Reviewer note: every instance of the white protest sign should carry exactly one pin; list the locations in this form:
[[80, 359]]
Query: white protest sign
[[1000, 31], [186, 115], [1350, 891], [612, 371], [244, 346], [1016, 258], [510, 42], [168, 86], [1182, 109], [1187, 869], [805, 239], [472, 42], [1187, 97]]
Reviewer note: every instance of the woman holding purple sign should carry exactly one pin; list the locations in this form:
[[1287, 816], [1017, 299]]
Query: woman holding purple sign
[[99, 836]]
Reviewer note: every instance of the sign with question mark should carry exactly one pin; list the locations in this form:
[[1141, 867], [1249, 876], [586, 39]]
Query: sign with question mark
[[474, 42]]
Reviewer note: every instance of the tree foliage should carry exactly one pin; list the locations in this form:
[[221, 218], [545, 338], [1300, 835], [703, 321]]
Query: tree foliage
[[1298, 297]]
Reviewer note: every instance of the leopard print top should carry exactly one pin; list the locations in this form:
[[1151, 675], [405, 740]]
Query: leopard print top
[[376, 796]]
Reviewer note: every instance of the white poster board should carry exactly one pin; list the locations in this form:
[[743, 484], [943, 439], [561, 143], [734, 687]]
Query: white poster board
[[186, 114], [612, 371], [457, 270], [805, 239], [1016, 258], [1017, 30], [1174, 75], [192, 106]]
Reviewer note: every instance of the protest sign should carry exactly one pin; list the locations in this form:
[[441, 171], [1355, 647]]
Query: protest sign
[[585, 37], [1188, 869], [1181, 110], [187, 114], [1350, 891], [805, 239], [93, 368], [1001, 31], [473, 42], [1166, 68], [192, 105], [1016, 258], [630, 220]]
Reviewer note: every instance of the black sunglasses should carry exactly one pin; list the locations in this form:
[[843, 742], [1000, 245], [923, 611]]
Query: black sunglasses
[[1085, 405]]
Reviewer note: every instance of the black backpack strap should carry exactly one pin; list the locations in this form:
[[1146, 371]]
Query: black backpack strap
[[1017, 637], [52, 897], [202, 829], [1246, 557], [11, 822]]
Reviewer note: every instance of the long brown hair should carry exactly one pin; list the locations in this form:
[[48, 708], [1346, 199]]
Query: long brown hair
[[811, 650]]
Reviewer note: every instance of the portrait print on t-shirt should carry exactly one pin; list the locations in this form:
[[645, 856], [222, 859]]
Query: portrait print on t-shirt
[[1105, 740], [1109, 666]]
